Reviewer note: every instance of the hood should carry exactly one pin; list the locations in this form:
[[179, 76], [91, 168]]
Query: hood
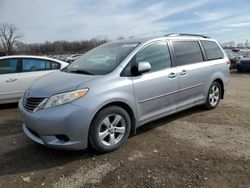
[[57, 82]]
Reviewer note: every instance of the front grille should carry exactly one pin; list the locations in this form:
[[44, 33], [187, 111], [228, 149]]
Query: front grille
[[31, 103]]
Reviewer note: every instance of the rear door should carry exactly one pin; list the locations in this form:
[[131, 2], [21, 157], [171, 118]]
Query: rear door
[[194, 73], [155, 91], [9, 86], [32, 69]]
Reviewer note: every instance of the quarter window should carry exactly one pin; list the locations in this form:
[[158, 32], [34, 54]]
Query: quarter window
[[157, 55], [8, 66], [212, 50], [187, 52], [55, 65]]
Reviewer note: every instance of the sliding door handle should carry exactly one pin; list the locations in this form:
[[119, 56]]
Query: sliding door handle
[[11, 80], [183, 72], [172, 75]]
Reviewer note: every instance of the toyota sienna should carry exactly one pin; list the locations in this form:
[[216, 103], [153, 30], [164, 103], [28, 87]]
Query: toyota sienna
[[110, 91]]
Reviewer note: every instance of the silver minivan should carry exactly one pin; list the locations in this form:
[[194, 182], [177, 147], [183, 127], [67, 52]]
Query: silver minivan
[[107, 93]]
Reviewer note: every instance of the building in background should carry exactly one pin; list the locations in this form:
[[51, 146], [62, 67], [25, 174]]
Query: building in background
[[240, 45], [247, 44], [230, 44]]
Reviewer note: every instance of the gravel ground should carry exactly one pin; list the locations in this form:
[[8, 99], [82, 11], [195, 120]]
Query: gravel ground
[[194, 148]]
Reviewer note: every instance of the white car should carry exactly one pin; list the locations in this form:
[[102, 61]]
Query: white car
[[18, 72]]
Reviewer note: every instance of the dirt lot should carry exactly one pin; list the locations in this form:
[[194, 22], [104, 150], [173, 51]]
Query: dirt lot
[[195, 148]]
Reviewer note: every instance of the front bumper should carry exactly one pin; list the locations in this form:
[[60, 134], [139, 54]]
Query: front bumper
[[62, 127]]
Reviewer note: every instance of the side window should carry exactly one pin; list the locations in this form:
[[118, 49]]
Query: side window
[[212, 50], [55, 65], [157, 55], [187, 52], [8, 66], [30, 65]]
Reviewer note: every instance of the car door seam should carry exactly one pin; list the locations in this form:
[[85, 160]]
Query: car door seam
[[191, 87], [159, 96]]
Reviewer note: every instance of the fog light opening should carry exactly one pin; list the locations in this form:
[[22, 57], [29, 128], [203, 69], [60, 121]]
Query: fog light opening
[[62, 138]]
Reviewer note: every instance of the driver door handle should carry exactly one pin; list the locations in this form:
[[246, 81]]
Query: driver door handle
[[172, 75]]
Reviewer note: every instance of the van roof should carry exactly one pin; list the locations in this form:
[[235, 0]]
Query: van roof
[[168, 36]]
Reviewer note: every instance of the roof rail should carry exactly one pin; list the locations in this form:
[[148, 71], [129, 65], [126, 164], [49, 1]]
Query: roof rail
[[185, 34]]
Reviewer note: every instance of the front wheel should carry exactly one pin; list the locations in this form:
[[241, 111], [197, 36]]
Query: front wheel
[[213, 96], [109, 129]]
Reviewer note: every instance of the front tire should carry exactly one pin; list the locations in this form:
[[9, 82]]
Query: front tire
[[109, 129], [213, 96]]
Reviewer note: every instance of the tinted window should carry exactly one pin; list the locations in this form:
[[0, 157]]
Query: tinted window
[[8, 66], [157, 55], [187, 52], [55, 65], [244, 53], [212, 50], [30, 65]]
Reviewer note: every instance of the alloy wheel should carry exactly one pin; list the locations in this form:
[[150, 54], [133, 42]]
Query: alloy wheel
[[214, 95], [112, 129]]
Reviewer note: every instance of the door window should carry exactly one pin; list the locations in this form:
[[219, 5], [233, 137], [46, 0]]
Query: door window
[[187, 52], [30, 65], [157, 55], [8, 66]]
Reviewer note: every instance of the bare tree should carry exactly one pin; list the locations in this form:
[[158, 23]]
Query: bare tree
[[9, 36]]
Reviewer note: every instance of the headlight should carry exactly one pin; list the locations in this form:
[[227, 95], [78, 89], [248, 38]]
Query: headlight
[[62, 98]]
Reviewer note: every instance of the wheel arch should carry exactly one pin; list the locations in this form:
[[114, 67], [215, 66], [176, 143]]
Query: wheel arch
[[221, 85], [124, 106]]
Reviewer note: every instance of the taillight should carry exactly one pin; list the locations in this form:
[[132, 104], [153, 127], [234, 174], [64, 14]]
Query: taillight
[[228, 62]]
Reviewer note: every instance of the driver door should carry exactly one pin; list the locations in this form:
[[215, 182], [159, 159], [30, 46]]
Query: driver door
[[156, 92]]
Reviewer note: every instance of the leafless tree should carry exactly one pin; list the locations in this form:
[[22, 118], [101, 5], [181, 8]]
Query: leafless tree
[[9, 36]]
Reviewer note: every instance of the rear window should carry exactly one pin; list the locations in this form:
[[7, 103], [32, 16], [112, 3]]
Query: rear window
[[212, 50], [187, 52]]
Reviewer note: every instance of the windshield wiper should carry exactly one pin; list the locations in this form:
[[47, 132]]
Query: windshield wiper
[[80, 71]]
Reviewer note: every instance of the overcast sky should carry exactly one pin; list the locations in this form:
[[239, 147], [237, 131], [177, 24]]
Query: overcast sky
[[50, 20]]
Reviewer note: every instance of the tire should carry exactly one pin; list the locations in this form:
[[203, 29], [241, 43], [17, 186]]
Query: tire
[[213, 96], [109, 129]]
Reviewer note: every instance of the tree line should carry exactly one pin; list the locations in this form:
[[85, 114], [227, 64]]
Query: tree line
[[11, 44], [57, 47]]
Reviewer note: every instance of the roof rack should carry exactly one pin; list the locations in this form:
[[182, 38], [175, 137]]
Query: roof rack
[[185, 34]]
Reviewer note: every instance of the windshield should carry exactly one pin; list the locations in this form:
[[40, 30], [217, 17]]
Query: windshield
[[101, 60], [244, 53]]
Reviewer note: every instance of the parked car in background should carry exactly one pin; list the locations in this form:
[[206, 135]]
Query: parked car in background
[[2, 54], [233, 57], [72, 58], [18, 72], [115, 88], [243, 64]]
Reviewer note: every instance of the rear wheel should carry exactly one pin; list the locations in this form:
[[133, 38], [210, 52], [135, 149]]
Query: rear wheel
[[109, 129], [213, 96]]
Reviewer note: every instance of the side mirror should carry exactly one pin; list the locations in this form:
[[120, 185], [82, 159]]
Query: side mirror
[[144, 67]]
